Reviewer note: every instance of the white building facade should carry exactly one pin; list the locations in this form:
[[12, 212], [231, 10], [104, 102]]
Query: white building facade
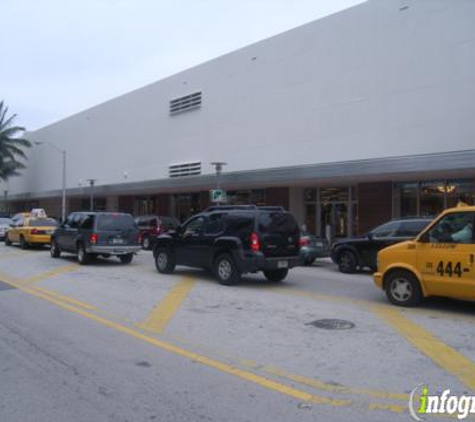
[[348, 121]]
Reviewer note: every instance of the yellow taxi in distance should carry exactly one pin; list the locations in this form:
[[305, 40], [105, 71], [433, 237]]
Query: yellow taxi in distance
[[27, 231], [439, 262]]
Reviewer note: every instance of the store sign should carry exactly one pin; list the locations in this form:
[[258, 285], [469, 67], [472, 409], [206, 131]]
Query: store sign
[[217, 196]]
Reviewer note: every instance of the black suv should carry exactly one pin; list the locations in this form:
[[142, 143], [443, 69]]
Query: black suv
[[351, 254], [233, 240], [90, 234]]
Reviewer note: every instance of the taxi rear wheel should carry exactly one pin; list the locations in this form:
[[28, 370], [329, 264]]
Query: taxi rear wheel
[[403, 289], [23, 243]]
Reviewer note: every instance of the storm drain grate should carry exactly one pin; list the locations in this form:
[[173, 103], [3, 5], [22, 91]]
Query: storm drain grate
[[332, 324]]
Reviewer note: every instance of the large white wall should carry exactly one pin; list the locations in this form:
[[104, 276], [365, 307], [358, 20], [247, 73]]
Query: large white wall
[[372, 81]]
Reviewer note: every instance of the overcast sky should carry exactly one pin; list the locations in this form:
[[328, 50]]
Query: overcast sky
[[62, 56]]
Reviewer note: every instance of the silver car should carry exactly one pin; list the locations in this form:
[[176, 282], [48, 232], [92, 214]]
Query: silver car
[[4, 226]]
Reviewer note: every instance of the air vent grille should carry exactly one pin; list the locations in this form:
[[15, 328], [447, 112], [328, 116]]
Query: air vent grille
[[185, 169], [186, 103]]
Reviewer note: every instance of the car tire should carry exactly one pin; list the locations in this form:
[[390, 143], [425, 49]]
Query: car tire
[[276, 275], [226, 270], [347, 262], [23, 243], [127, 258], [309, 261], [54, 249], [83, 256], [164, 261], [8, 242], [403, 289], [146, 243]]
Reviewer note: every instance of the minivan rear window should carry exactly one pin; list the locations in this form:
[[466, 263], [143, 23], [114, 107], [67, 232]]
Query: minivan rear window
[[115, 221], [272, 222]]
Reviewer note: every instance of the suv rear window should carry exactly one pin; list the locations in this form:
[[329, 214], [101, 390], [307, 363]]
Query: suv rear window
[[115, 221], [277, 222]]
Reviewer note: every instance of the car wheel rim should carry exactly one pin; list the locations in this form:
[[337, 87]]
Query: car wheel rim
[[345, 261], [162, 260], [224, 269], [81, 254], [401, 289], [146, 243]]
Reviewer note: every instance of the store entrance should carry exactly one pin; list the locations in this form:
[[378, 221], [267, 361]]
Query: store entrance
[[331, 212]]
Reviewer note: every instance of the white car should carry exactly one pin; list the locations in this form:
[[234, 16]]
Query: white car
[[4, 226]]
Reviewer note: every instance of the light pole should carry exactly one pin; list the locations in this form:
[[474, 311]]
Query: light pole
[[91, 184], [218, 166], [63, 199]]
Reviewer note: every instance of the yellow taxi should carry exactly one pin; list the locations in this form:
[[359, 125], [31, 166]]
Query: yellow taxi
[[439, 262], [30, 230]]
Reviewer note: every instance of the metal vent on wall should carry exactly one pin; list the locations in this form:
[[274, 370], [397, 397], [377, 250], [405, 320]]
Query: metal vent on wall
[[186, 103], [185, 169]]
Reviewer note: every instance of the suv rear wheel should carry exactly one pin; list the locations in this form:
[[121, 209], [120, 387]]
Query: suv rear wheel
[[127, 258], [276, 275], [54, 250], [226, 270], [164, 261], [403, 289], [347, 262], [83, 256]]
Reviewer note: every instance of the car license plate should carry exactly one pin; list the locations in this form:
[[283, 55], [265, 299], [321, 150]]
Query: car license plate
[[282, 264], [117, 241]]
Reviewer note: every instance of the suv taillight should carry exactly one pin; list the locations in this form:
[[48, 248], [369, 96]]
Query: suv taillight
[[94, 238], [304, 241], [158, 230], [255, 243]]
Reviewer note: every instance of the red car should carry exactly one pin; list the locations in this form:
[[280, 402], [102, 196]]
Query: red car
[[152, 226]]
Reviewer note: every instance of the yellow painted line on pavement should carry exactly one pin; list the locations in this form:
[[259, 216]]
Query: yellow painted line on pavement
[[319, 385], [62, 297], [49, 274], [443, 355], [13, 254], [163, 312], [212, 363]]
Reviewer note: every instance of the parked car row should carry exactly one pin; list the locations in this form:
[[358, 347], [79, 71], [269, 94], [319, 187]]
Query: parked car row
[[412, 258]]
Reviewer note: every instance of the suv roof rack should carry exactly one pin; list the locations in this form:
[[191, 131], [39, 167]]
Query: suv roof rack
[[230, 207]]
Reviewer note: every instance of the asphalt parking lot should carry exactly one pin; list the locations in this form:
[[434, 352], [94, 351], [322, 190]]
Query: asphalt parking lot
[[124, 343]]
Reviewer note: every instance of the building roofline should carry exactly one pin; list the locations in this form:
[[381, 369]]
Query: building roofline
[[377, 169]]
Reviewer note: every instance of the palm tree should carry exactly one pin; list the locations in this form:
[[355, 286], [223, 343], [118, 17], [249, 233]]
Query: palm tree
[[11, 145]]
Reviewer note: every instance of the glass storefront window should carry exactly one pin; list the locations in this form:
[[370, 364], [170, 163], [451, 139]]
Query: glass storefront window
[[405, 200], [432, 198], [311, 218], [310, 195], [429, 198], [245, 197], [460, 189]]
